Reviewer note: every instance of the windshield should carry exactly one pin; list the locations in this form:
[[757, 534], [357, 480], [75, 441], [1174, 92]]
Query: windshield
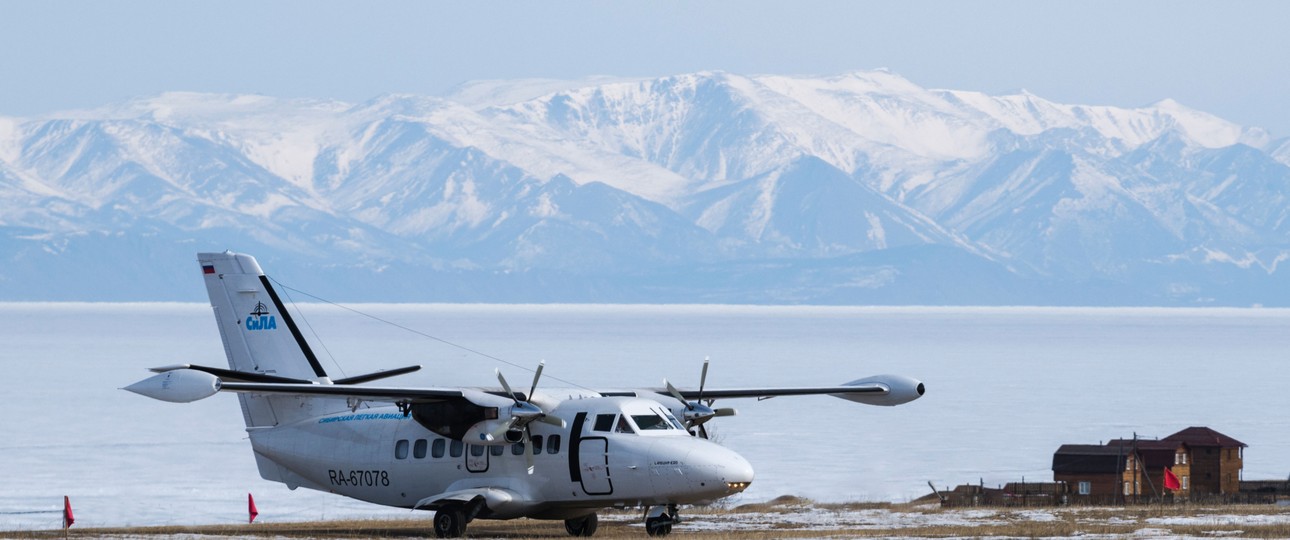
[[650, 421]]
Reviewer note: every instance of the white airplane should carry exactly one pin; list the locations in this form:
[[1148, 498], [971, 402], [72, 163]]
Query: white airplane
[[466, 453]]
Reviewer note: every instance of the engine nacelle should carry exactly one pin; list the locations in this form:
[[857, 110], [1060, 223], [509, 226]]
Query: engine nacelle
[[900, 389], [483, 433], [178, 386]]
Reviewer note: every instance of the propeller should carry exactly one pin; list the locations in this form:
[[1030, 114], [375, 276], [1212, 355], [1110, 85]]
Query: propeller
[[697, 413], [524, 413]]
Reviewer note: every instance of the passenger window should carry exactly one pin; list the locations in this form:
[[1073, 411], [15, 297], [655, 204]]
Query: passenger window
[[477, 451], [436, 449], [497, 450], [455, 448], [553, 444], [623, 426], [604, 422], [537, 444], [401, 449], [419, 449], [517, 449]]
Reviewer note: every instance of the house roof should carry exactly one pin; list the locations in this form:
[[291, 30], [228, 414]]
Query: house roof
[[1203, 436], [1154, 453], [1089, 458]]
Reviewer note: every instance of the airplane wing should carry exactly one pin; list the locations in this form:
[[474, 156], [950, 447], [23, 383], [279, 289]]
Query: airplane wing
[[369, 393], [184, 383], [763, 393], [878, 390]]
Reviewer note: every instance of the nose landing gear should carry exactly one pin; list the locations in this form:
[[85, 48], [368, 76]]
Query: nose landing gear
[[659, 520]]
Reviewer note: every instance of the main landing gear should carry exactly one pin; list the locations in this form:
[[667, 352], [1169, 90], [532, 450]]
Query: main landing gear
[[583, 526], [449, 523], [659, 520]]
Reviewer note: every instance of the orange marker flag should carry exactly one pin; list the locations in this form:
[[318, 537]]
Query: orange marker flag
[[1171, 480], [250, 507], [68, 519]]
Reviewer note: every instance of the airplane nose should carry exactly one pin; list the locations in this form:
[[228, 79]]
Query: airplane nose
[[727, 472]]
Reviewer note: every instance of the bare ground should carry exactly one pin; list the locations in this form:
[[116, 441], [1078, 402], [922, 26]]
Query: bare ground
[[789, 517]]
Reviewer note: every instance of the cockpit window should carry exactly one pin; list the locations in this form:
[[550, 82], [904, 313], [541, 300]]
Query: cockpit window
[[604, 422], [623, 426], [650, 421], [672, 420]]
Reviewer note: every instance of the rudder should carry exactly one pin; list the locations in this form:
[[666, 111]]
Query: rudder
[[259, 336]]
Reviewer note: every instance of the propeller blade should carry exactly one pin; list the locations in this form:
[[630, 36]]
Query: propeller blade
[[551, 420], [536, 375], [500, 431], [506, 386], [703, 377], [724, 411], [528, 449], [677, 394]]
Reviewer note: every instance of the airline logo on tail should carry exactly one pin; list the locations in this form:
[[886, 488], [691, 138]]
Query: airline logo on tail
[[260, 319]]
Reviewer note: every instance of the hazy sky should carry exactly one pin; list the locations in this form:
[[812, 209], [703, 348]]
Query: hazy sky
[[1228, 58]]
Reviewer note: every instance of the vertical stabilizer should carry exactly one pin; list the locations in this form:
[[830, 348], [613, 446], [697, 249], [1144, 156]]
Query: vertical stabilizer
[[259, 336]]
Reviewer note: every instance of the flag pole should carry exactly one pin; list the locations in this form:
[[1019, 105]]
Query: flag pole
[[68, 519]]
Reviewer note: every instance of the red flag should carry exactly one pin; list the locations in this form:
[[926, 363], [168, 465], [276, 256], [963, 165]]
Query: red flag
[[68, 519], [250, 507], [1171, 481]]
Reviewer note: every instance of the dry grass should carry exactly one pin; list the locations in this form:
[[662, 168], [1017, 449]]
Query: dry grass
[[792, 517]]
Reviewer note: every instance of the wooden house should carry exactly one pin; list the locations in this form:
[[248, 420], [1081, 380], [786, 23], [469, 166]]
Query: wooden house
[[1207, 462], [1143, 476], [1091, 471]]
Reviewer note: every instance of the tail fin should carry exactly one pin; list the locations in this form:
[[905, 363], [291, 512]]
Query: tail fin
[[259, 336]]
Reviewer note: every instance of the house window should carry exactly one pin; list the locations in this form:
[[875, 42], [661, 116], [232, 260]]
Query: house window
[[1186, 482], [1128, 488], [1180, 459], [1085, 488]]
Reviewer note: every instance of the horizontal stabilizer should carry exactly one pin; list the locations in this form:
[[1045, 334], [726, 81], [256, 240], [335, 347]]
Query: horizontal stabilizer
[[359, 379], [234, 376]]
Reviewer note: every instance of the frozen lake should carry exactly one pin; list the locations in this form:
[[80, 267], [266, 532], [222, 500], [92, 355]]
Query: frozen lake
[[1006, 387]]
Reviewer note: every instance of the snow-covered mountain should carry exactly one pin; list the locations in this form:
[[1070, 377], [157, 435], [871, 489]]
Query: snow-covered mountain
[[705, 187]]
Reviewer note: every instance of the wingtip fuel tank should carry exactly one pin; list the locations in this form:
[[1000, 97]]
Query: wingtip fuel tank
[[899, 389], [177, 386]]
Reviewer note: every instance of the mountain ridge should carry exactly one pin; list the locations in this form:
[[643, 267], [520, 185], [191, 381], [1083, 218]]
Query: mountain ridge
[[609, 183]]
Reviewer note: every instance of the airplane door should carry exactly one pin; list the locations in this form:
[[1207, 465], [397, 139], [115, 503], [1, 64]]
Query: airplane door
[[476, 458], [594, 454]]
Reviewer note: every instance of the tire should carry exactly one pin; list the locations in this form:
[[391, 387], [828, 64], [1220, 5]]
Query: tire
[[449, 523], [583, 526], [659, 526]]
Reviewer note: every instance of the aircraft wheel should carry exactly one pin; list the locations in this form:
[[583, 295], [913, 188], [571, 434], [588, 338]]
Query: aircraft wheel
[[449, 523], [659, 526], [583, 526]]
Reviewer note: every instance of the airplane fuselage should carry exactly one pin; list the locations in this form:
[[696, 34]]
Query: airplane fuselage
[[603, 457]]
